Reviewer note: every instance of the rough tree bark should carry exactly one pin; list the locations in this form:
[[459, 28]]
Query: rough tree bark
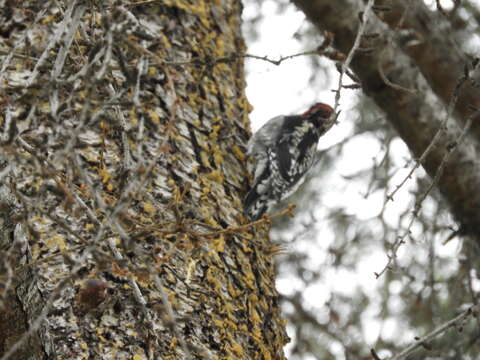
[[122, 156], [413, 76]]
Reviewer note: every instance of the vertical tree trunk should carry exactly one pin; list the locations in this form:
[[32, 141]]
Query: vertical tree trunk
[[122, 157]]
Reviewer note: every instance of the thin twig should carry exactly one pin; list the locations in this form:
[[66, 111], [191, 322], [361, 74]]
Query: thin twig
[[421, 159], [282, 58], [432, 335], [52, 43], [266, 219], [356, 45], [419, 203], [213, 61], [12, 53], [440, 131]]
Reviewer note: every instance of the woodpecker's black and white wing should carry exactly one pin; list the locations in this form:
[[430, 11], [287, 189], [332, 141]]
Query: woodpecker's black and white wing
[[260, 143], [296, 148], [260, 148]]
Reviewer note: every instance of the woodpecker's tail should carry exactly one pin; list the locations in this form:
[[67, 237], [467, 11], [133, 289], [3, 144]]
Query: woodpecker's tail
[[256, 204], [254, 207]]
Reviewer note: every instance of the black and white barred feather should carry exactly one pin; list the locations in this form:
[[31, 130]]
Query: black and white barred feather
[[281, 152]]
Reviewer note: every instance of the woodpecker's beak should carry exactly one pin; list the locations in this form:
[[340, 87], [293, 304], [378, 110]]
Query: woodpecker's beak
[[335, 116]]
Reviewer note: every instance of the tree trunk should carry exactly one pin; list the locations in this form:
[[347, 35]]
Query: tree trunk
[[123, 156]]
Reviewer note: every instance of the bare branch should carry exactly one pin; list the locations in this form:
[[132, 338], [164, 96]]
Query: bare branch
[[441, 130], [356, 44], [418, 205], [435, 333]]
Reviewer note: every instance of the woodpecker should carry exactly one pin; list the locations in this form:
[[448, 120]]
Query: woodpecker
[[280, 154]]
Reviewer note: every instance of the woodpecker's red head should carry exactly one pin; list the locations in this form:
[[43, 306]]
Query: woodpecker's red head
[[318, 110], [321, 114]]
